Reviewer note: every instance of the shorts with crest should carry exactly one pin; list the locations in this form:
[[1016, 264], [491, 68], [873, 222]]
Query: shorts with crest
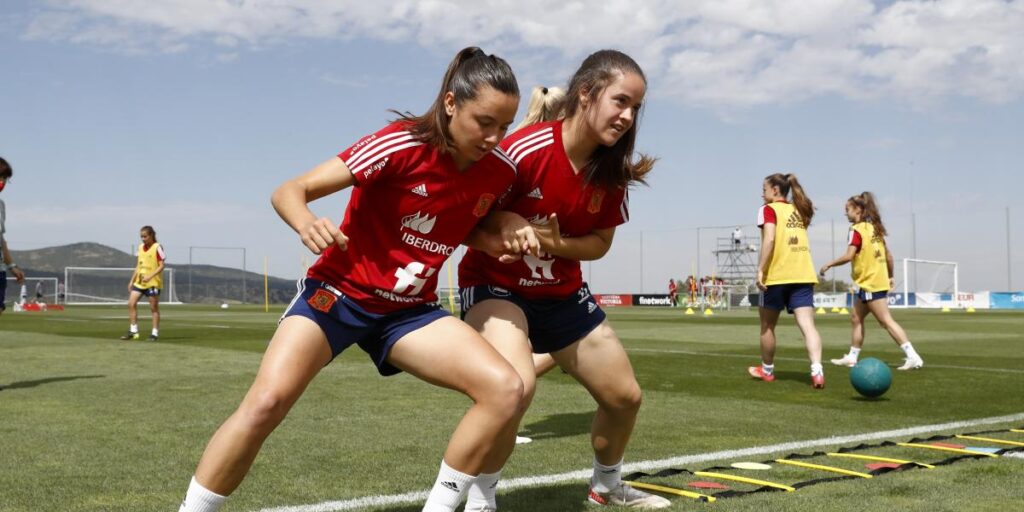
[[865, 296], [553, 323], [345, 323]]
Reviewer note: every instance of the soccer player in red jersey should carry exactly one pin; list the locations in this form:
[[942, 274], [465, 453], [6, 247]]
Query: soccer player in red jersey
[[421, 184], [573, 176]]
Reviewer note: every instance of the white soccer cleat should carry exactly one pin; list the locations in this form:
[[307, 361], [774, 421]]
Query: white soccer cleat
[[912, 363], [846, 361], [625, 496]]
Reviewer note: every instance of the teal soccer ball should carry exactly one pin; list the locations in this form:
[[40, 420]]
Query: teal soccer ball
[[871, 377]]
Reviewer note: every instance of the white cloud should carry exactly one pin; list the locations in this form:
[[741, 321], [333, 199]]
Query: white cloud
[[717, 53]]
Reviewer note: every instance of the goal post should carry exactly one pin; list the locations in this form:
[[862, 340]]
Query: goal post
[[104, 285], [928, 284]]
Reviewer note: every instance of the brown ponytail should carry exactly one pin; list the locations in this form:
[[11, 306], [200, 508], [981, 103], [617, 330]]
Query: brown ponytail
[[468, 72], [866, 202], [788, 183]]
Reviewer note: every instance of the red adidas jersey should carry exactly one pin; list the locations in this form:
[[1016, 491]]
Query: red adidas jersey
[[546, 184], [410, 208]]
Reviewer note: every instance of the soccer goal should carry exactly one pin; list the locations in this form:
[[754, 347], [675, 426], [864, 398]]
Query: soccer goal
[[34, 289], [927, 284], [94, 285]]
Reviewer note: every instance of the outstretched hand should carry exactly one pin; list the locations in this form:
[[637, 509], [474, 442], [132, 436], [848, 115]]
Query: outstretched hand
[[320, 234]]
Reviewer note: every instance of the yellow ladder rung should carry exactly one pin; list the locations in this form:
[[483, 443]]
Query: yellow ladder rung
[[990, 440], [946, 449], [726, 476], [879, 459], [1019, 431], [671, 490], [830, 469]]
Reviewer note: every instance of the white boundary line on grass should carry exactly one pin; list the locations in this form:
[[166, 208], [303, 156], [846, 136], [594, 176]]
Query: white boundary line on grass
[[755, 356], [515, 483]]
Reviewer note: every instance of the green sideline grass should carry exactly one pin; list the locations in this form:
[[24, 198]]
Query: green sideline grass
[[92, 423]]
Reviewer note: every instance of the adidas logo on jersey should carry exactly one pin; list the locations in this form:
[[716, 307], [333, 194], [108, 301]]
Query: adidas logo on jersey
[[795, 221], [420, 223], [420, 190], [535, 194]]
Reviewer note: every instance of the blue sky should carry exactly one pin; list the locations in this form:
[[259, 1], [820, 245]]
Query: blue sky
[[186, 114]]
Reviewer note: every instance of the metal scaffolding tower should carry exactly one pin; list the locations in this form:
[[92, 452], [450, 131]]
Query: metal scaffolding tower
[[737, 258]]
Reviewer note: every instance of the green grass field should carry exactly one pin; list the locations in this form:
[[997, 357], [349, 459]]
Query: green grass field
[[89, 422]]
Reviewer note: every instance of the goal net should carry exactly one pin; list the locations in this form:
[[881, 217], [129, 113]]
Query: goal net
[[927, 284], [34, 289], [93, 285]]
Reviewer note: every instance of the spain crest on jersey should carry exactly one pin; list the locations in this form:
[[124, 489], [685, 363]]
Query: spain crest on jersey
[[483, 205], [595, 201], [322, 300]]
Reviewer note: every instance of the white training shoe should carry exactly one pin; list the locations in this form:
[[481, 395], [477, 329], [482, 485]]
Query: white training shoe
[[912, 363], [846, 361], [625, 496]]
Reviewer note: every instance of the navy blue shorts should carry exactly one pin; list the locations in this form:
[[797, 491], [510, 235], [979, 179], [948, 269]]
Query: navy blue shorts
[[3, 290], [553, 323], [346, 323], [148, 292], [865, 296], [788, 297]]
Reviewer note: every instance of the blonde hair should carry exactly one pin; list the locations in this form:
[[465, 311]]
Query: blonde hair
[[544, 104]]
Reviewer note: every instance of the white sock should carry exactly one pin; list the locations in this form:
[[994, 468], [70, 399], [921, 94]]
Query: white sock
[[133, 328], [908, 349], [606, 478], [816, 369], [201, 499], [854, 352], [767, 368], [481, 495], [156, 332], [448, 490]]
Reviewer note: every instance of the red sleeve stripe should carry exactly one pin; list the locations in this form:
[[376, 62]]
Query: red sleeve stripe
[[381, 156], [504, 158], [357, 155], [528, 145], [380, 148]]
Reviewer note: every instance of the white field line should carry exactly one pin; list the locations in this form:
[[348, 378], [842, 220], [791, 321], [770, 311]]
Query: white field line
[[754, 357], [1015, 455], [572, 476]]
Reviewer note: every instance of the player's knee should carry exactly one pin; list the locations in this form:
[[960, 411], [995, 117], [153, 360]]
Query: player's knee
[[266, 410], [626, 398], [507, 392]]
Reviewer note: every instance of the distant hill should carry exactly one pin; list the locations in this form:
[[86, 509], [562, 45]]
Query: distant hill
[[209, 283]]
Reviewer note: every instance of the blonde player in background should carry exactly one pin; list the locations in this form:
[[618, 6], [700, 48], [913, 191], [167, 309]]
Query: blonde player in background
[[871, 269], [146, 280]]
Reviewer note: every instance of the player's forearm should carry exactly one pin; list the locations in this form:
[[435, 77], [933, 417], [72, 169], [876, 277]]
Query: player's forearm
[[6, 253], [290, 203], [585, 248]]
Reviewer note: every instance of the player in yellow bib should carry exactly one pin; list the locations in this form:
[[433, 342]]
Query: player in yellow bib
[[146, 280], [871, 270], [785, 272]]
